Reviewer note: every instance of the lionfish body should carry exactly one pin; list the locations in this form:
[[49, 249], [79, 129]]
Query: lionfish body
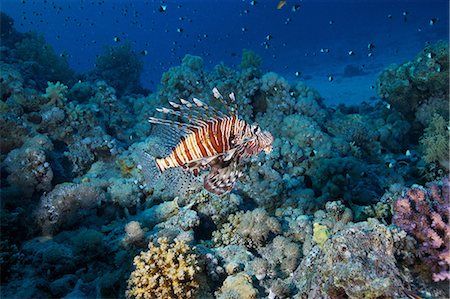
[[211, 140]]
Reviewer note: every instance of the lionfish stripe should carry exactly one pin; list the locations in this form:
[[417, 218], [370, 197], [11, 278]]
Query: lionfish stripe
[[186, 150], [223, 129], [212, 137], [206, 143], [217, 133], [177, 157], [199, 142], [193, 148]]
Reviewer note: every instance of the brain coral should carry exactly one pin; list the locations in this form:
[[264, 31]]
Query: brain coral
[[164, 271]]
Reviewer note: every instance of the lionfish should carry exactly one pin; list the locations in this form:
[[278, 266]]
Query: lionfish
[[207, 139]]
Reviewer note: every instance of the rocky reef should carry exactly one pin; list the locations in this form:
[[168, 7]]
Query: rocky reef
[[330, 213]]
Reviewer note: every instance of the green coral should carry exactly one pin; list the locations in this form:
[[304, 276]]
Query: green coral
[[56, 93], [164, 271], [121, 68], [435, 141], [250, 59]]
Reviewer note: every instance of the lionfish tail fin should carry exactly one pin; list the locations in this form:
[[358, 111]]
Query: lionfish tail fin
[[181, 182], [149, 169]]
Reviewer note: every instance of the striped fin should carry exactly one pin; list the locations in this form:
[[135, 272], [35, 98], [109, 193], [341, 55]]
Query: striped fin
[[221, 180], [229, 103], [170, 136], [195, 113]]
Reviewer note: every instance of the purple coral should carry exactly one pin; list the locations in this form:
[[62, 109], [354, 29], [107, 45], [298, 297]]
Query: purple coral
[[424, 213]]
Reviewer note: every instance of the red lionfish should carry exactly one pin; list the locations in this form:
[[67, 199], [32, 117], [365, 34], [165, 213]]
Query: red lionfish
[[207, 139]]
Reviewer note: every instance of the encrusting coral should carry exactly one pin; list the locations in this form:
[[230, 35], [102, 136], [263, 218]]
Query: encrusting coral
[[251, 229], [164, 271], [357, 262], [424, 213]]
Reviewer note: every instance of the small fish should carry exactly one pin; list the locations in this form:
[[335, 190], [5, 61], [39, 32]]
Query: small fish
[[295, 7], [162, 8], [116, 39], [268, 37], [370, 46], [433, 21], [330, 78], [208, 140], [351, 53], [144, 52], [253, 2], [324, 50], [297, 74], [281, 4]]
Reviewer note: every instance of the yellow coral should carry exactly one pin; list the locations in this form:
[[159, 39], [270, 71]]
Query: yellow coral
[[238, 286], [320, 234], [164, 271]]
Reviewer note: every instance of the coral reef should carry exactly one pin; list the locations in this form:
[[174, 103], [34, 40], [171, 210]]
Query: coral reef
[[66, 205], [40, 63], [420, 84], [164, 271], [117, 63], [76, 205], [424, 213]]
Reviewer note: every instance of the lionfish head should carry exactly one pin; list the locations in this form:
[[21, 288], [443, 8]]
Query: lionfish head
[[263, 138]]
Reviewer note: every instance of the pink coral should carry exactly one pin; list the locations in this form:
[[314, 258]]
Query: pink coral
[[424, 213]]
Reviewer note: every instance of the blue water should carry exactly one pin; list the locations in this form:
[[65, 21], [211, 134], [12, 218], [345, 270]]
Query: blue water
[[219, 30]]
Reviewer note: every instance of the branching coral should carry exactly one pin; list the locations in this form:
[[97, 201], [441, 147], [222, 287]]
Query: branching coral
[[56, 93], [424, 213], [164, 271]]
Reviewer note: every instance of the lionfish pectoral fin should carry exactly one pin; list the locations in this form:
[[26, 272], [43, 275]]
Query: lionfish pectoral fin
[[201, 162], [221, 180], [227, 156]]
